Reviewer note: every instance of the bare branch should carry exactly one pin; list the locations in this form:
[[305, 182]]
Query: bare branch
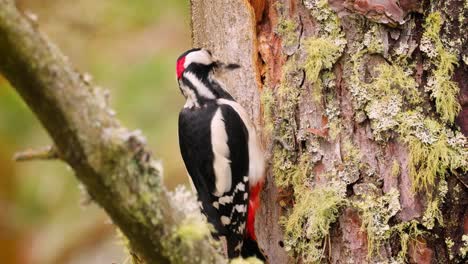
[[44, 153]]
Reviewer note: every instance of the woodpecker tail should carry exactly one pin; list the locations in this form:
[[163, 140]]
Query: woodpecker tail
[[250, 249], [250, 246]]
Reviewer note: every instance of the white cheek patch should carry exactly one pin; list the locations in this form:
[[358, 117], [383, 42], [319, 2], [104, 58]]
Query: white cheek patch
[[199, 86], [191, 98], [222, 164], [199, 56]]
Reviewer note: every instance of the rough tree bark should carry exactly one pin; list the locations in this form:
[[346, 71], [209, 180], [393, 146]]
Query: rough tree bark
[[111, 161], [363, 109], [360, 105]]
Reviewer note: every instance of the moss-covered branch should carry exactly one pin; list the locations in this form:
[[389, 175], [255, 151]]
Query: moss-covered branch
[[111, 161]]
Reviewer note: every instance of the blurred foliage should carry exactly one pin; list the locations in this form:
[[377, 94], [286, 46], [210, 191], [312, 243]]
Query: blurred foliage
[[129, 47]]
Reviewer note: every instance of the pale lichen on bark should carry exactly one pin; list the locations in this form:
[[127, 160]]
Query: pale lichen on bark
[[370, 94]]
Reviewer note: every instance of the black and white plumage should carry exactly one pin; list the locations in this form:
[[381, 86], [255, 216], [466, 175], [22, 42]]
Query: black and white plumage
[[221, 152]]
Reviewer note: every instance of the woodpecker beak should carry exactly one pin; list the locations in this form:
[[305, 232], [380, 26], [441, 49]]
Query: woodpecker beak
[[223, 66]]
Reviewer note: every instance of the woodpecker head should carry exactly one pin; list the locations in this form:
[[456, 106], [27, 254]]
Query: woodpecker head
[[194, 70], [200, 61]]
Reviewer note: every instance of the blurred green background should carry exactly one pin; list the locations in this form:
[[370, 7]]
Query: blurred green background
[[129, 47]]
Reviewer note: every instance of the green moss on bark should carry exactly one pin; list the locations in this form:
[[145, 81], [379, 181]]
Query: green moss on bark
[[268, 102], [407, 232], [322, 53], [376, 212], [433, 149], [286, 28], [308, 225], [441, 87]]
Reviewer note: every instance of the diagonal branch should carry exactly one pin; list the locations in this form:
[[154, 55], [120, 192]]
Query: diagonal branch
[[111, 161]]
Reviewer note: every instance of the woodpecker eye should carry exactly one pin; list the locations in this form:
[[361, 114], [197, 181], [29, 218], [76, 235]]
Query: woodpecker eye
[[180, 67]]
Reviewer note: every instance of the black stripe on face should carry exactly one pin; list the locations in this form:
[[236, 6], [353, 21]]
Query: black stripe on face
[[190, 85], [200, 70], [200, 99]]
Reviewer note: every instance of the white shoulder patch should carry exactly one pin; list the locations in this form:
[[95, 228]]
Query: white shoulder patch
[[222, 164], [256, 154]]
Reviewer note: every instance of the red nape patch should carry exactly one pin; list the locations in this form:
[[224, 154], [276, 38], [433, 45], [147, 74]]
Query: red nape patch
[[254, 204], [180, 67]]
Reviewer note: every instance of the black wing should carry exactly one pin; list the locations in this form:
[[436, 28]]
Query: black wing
[[197, 152], [195, 146]]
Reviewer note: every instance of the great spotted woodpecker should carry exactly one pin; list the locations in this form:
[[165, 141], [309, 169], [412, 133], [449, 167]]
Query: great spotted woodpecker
[[221, 152]]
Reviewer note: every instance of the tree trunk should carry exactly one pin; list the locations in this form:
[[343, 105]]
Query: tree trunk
[[363, 110]]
